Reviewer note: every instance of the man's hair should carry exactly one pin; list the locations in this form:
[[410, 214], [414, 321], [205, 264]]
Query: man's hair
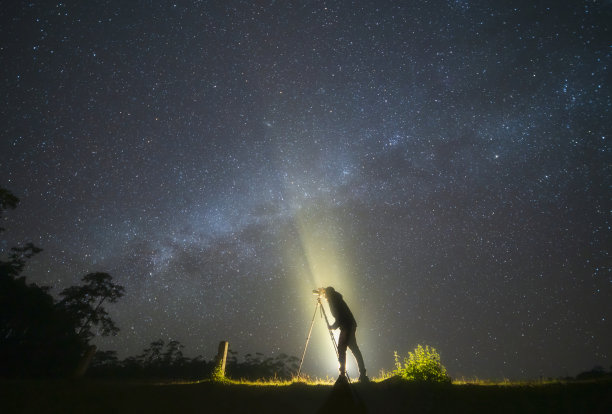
[[329, 290]]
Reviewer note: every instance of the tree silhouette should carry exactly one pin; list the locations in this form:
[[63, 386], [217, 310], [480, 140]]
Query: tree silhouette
[[174, 353], [17, 259], [152, 356], [36, 338], [163, 359], [7, 200], [84, 303], [18, 255], [105, 359]]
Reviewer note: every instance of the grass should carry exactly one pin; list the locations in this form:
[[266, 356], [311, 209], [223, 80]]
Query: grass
[[303, 396], [303, 379], [383, 376], [506, 382]]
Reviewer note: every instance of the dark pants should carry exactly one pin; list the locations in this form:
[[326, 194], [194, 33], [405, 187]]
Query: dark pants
[[347, 339]]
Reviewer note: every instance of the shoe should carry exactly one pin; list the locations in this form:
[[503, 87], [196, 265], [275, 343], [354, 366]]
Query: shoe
[[364, 378], [341, 380]]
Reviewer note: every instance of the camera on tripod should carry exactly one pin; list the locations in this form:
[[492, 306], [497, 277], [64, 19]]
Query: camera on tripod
[[319, 292]]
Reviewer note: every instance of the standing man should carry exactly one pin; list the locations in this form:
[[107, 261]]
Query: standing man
[[347, 324]]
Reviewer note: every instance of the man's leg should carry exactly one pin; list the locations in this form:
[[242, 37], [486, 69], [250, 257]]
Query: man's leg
[[352, 344], [343, 341]]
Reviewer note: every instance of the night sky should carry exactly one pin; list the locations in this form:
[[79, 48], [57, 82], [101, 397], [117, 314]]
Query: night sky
[[445, 165]]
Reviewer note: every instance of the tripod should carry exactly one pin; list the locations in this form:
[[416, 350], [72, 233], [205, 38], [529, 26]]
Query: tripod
[[320, 307]]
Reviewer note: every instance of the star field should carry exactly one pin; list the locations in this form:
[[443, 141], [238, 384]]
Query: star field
[[447, 165]]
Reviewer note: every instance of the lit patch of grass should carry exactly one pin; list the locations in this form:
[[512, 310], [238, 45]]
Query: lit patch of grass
[[264, 382], [278, 382], [303, 379], [382, 376]]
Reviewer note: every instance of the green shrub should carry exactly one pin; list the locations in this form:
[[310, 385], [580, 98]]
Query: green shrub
[[423, 364], [218, 375]]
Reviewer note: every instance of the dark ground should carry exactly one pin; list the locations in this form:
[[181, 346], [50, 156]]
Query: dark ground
[[91, 396]]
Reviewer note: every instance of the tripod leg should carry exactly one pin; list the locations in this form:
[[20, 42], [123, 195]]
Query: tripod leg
[[308, 339]]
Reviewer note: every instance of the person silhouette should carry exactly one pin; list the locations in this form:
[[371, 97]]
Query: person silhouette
[[344, 320]]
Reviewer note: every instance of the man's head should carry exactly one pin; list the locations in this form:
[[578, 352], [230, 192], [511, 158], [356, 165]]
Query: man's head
[[329, 291]]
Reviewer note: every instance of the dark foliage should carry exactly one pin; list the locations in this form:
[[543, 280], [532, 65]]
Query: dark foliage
[[596, 373], [282, 367], [13, 266], [84, 304], [38, 337], [7, 201], [161, 360]]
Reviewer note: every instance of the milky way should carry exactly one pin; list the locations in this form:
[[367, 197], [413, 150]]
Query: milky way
[[445, 164]]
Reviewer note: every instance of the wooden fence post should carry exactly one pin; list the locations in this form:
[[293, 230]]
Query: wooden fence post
[[222, 357]]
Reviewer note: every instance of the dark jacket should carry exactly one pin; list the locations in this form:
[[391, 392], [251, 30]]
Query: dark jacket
[[340, 311]]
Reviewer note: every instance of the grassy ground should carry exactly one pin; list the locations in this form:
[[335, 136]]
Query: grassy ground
[[390, 396]]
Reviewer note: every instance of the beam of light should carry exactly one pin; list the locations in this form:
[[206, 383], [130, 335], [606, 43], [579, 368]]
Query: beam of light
[[323, 262]]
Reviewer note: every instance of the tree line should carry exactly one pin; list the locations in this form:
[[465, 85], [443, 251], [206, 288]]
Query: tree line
[[44, 337], [165, 360], [39, 335]]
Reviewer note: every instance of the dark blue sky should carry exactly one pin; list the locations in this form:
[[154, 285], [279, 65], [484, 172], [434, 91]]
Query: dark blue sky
[[446, 165]]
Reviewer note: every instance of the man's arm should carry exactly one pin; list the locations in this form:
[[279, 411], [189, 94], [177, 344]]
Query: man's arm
[[334, 326]]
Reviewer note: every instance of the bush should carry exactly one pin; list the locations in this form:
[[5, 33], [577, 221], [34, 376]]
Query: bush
[[421, 365]]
